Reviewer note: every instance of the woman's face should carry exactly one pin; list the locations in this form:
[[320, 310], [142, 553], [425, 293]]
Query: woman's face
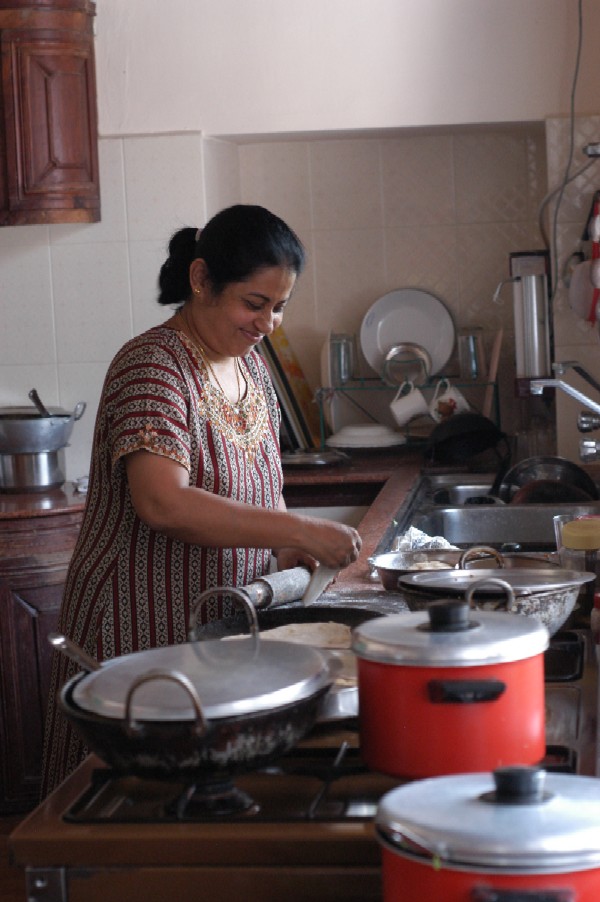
[[233, 322]]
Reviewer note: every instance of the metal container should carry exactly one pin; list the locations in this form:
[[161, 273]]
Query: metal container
[[450, 691], [516, 834], [32, 472], [24, 431]]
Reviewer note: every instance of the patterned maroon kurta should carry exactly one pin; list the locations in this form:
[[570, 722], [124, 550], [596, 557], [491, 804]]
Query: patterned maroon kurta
[[129, 588]]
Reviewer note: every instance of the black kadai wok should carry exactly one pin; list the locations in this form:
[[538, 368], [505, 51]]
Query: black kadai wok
[[199, 710]]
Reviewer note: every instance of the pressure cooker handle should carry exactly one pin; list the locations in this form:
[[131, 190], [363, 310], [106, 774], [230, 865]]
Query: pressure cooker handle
[[464, 692], [488, 894]]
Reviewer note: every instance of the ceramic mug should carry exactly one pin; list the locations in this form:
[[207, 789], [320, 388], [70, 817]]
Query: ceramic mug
[[446, 401], [408, 403]]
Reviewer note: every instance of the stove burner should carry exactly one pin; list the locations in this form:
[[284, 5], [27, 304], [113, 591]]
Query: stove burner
[[211, 800]]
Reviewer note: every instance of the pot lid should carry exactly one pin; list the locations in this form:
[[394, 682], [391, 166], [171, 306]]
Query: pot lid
[[231, 678], [460, 637], [522, 580], [516, 820], [30, 413]]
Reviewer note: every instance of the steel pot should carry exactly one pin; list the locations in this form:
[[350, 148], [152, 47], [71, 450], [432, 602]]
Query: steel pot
[[549, 594], [450, 691], [200, 709], [24, 431], [391, 565], [32, 472], [517, 834]]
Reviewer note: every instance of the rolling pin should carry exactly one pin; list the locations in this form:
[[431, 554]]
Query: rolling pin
[[278, 588]]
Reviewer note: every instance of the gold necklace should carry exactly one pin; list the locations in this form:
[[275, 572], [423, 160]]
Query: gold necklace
[[209, 367]]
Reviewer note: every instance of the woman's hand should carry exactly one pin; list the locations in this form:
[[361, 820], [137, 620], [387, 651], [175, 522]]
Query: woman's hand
[[332, 544]]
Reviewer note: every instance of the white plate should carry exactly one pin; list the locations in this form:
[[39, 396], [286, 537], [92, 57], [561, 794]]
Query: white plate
[[412, 315], [365, 435]]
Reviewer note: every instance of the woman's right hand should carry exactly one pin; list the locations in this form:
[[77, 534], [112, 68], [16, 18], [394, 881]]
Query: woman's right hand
[[332, 544]]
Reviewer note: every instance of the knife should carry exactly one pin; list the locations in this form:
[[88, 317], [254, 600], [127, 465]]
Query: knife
[[319, 580]]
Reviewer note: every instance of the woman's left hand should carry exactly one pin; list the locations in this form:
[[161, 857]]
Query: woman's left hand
[[294, 557]]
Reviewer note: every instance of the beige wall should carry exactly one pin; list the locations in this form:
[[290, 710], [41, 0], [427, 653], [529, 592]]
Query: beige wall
[[435, 211], [272, 66]]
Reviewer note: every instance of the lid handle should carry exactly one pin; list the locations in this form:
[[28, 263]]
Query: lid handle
[[448, 616], [519, 785]]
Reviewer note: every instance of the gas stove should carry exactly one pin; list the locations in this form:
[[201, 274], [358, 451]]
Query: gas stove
[[301, 828]]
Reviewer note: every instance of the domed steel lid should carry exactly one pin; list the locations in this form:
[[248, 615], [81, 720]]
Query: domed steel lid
[[450, 634], [230, 677], [518, 820]]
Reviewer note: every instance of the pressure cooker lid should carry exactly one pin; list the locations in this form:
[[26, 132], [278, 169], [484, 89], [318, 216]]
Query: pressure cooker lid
[[228, 676], [450, 634], [519, 820]]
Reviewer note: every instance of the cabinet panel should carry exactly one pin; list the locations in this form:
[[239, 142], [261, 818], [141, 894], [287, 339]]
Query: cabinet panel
[[49, 116], [28, 612]]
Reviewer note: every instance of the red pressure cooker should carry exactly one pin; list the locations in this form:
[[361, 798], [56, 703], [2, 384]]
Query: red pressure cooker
[[450, 690], [517, 834]]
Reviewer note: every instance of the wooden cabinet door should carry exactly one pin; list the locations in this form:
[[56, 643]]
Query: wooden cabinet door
[[50, 127], [30, 596]]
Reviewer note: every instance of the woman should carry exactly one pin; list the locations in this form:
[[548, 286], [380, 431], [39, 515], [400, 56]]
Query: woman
[[185, 486]]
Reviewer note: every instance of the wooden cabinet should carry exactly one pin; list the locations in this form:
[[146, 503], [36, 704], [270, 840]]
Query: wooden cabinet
[[48, 118], [37, 537]]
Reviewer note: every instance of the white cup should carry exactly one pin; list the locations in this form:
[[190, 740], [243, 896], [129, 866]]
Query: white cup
[[446, 401], [409, 403]]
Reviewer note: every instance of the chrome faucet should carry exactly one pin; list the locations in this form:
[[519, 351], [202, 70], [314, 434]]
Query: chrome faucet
[[589, 450], [537, 386]]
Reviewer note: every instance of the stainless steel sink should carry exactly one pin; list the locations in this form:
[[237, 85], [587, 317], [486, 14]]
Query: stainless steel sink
[[528, 525], [442, 505]]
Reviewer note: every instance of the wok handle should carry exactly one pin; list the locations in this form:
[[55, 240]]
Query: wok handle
[[465, 692], [507, 602], [488, 894], [479, 551], [174, 676], [239, 597]]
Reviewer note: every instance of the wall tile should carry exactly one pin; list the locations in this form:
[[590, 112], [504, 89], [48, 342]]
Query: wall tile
[[423, 257], [276, 175], [492, 177], [418, 181], [345, 184], [221, 175], [17, 380], [81, 382], [27, 332], [92, 301], [145, 261], [164, 185]]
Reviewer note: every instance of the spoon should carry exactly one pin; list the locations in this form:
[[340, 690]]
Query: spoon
[[73, 652], [41, 408]]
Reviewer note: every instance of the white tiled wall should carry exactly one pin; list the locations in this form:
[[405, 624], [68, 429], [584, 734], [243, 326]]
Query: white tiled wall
[[438, 211]]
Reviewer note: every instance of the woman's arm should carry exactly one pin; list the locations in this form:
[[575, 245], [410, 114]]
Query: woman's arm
[[164, 500]]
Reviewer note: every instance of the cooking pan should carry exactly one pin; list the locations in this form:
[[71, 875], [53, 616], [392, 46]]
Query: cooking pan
[[548, 595], [394, 564], [24, 431], [199, 710]]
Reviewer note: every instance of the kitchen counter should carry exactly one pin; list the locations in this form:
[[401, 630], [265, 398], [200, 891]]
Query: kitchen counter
[[356, 481]]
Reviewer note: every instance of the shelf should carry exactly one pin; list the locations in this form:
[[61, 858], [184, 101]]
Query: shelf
[[472, 389]]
